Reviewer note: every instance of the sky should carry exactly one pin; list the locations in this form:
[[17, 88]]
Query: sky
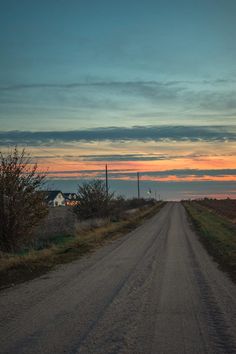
[[144, 86]]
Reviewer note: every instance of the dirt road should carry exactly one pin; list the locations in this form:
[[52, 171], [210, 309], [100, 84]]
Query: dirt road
[[153, 291]]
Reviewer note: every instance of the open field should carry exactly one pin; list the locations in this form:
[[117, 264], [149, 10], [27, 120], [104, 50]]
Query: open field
[[17, 268], [223, 207], [216, 232]]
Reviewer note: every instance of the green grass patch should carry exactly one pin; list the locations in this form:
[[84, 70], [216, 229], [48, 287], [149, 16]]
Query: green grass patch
[[17, 268], [217, 234], [58, 240]]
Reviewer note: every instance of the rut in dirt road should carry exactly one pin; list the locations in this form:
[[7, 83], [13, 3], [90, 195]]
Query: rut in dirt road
[[155, 290]]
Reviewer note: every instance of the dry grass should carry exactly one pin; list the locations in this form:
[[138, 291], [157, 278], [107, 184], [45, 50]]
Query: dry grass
[[217, 234], [222, 207], [18, 268]]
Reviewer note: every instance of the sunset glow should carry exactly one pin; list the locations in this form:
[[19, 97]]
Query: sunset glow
[[132, 86]]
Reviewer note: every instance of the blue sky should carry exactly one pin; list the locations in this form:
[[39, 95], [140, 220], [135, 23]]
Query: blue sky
[[81, 64], [76, 65]]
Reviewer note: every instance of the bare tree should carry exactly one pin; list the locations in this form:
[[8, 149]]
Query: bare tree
[[21, 198], [94, 200]]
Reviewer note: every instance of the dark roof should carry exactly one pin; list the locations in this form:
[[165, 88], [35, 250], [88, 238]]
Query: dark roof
[[51, 195]]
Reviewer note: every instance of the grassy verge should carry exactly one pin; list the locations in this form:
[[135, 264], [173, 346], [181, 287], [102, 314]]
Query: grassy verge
[[19, 268], [217, 234]]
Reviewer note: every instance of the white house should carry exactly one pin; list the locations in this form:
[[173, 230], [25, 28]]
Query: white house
[[55, 198]]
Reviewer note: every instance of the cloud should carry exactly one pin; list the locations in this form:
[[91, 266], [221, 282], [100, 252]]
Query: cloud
[[127, 157], [179, 173], [184, 173], [138, 157], [99, 84], [220, 101], [149, 90], [142, 133], [115, 84], [167, 97]]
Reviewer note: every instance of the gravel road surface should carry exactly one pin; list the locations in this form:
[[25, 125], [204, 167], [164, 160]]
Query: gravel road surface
[[155, 290]]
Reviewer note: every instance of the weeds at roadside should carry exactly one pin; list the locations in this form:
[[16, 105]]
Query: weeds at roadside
[[19, 268], [217, 234]]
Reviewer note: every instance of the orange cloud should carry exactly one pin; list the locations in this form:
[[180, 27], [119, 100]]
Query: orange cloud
[[70, 161]]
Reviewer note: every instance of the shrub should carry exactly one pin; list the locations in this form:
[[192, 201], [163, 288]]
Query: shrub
[[94, 200], [21, 201]]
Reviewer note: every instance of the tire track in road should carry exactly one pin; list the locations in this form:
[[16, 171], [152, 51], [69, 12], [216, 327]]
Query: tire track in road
[[134, 286]]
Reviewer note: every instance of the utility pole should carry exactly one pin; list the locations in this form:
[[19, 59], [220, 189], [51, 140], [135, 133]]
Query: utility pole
[[106, 180], [138, 185]]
